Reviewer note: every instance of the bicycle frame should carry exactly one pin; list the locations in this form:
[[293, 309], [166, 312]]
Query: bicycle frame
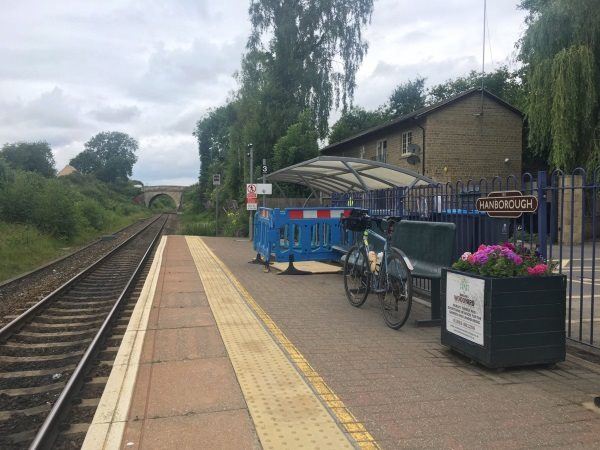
[[376, 278]]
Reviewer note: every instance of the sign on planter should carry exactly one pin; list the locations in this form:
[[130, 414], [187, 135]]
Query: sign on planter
[[464, 307]]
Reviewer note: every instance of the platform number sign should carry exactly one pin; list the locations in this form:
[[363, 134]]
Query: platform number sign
[[217, 179], [265, 169]]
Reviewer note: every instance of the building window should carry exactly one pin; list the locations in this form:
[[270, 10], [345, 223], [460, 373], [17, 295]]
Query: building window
[[381, 151], [406, 141]]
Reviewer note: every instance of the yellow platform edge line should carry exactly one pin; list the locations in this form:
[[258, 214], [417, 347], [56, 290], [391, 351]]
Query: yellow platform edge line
[[338, 409]]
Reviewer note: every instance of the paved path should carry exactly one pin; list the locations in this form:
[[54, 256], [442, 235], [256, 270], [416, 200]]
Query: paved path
[[220, 355], [198, 369], [408, 390]]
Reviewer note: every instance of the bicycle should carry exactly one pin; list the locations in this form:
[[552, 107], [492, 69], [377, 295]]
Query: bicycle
[[386, 273]]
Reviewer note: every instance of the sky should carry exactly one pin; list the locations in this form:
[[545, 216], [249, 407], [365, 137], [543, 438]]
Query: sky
[[70, 68]]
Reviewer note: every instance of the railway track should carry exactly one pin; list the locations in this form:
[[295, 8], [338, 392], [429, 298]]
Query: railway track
[[23, 291], [48, 351]]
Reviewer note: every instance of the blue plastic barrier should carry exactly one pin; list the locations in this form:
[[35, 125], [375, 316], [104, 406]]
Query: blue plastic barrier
[[298, 234]]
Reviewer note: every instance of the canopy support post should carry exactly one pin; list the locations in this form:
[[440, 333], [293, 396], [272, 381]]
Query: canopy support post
[[307, 199], [358, 178], [312, 190]]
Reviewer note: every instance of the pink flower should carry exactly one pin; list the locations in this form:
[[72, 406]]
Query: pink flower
[[538, 270], [480, 257], [465, 256], [509, 246]]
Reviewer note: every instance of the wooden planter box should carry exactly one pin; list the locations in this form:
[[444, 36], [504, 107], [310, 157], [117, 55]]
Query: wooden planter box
[[504, 322]]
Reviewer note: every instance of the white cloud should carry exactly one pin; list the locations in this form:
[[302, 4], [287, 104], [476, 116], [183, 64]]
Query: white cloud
[[438, 40], [115, 114], [151, 68], [168, 157]]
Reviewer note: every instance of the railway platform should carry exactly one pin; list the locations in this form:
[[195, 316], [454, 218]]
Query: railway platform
[[218, 354]]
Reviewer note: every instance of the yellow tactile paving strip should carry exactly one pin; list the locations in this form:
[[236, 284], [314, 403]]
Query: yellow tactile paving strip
[[286, 412]]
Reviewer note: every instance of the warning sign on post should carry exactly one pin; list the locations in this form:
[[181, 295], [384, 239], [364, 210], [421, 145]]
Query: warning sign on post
[[259, 188], [465, 307]]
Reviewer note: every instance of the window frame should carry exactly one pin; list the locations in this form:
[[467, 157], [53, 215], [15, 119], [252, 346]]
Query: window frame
[[381, 151], [406, 141]]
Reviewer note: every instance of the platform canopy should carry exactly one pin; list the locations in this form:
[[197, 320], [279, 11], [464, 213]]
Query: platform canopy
[[341, 174]]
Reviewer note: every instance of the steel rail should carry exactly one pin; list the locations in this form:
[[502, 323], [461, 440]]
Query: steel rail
[[37, 270], [48, 431]]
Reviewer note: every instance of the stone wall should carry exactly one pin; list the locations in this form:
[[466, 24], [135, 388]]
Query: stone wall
[[462, 144]]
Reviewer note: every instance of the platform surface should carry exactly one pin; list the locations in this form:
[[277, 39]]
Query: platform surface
[[314, 267], [219, 354]]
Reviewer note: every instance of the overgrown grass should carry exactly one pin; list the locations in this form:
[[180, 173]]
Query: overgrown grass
[[23, 247], [197, 224], [43, 218]]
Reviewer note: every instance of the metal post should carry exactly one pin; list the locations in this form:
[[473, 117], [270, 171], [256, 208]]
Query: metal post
[[251, 214], [542, 213], [216, 210], [264, 180]]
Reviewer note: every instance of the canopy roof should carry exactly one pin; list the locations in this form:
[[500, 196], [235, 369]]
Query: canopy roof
[[342, 174]]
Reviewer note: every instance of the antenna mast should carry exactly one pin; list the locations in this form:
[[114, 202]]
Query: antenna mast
[[483, 52]]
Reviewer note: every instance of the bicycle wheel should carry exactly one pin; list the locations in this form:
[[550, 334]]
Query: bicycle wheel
[[357, 277], [396, 290]]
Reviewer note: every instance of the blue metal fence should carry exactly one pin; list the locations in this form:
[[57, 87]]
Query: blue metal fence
[[564, 228]]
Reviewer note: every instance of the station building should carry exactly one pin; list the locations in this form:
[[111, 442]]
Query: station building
[[471, 135]]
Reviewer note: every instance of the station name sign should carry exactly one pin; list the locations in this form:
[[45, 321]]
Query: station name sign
[[507, 204]]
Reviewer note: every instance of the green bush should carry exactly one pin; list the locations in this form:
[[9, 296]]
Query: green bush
[[201, 228], [235, 224], [55, 212], [20, 197], [64, 207], [40, 218], [93, 213], [5, 173]]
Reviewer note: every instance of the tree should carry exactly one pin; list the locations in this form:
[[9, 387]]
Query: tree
[[5, 173], [86, 162], [560, 51], [109, 156], [501, 82], [355, 120], [30, 156], [213, 135], [314, 51], [298, 144], [407, 97]]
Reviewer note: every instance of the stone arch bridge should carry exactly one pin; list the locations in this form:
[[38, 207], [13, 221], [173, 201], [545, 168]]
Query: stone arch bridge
[[175, 192]]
